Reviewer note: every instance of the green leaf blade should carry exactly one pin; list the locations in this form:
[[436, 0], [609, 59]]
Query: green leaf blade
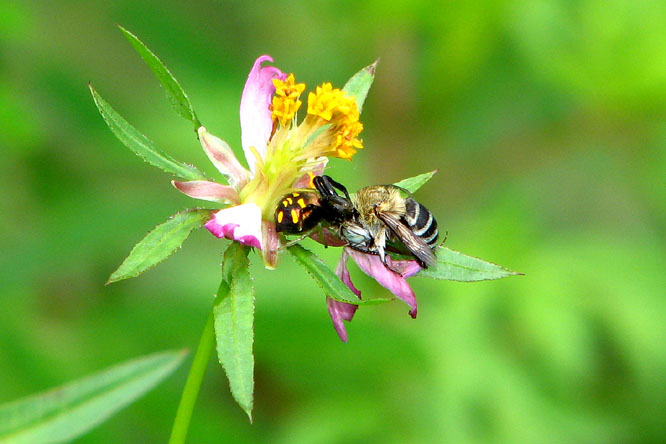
[[64, 413], [455, 266], [359, 84], [140, 144], [234, 325], [160, 243], [325, 278], [175, 93], [412, 184]]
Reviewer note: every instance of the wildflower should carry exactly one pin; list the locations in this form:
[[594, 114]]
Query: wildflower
[[281, 154]]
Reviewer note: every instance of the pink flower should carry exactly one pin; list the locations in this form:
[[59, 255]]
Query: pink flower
[[281, 155], [243, 221], [393, 279]]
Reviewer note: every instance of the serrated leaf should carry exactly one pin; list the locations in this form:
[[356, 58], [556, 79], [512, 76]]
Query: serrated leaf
[[140, 144], [160, 243], [360, 83], [69, 411], [175, 93], [324, 276], [412, 184], [234, 320], [455, 266]]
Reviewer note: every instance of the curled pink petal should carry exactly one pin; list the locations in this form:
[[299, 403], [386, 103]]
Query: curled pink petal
[[342, 272], [255, 115], [241, 223], [406, 268], [271, 242], [372, 266], [206, 190], [221, 155], [340, 311]]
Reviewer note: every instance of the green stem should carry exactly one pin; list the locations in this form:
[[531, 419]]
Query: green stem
[[193, 383]]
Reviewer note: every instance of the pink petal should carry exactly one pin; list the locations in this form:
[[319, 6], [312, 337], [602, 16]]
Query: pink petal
[[340, 311], [223, 158], [406, 268], [342, 272], [255, 115], [372, 266], [328, 239], [271, 245], [205, 190], [241, 223]]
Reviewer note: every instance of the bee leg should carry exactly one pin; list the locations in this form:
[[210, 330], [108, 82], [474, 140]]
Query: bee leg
[[293, 242], [446, 236]]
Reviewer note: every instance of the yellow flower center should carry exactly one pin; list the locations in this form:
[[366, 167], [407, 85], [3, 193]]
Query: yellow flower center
[[286, 99], [330, 129]]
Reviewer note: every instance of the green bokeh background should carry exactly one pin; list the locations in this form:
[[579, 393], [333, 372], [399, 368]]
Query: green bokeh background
[[546, 120]]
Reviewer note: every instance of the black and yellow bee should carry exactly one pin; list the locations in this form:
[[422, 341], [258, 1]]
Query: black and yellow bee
[[376, 219], [298, 212]]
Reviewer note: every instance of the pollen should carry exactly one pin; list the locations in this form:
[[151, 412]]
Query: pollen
[[286, 99], [311, 182], [334, 106], [324, 101]]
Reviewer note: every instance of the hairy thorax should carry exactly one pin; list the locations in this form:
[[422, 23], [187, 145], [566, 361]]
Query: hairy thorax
[[370, 200]]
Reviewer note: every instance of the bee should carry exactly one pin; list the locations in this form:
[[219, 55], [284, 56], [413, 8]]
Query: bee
[[300, 212], [376, 219], [389, 219]]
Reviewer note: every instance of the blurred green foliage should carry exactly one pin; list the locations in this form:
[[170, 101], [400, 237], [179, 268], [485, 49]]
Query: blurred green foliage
[[546, 120]]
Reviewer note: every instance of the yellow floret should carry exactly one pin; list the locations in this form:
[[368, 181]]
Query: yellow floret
[[286, 101], [340, 110]]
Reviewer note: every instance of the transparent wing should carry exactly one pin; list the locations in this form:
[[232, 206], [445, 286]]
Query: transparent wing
[[414, 244]]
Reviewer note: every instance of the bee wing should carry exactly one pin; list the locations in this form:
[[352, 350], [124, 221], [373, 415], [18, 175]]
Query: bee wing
[[414, 244]]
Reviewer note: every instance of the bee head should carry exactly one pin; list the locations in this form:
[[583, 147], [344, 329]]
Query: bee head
[[335, 208]]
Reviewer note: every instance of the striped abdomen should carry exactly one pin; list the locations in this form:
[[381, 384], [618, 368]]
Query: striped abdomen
[[421, 221]]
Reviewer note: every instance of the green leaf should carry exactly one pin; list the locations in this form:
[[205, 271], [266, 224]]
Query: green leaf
[[412, 184], [160, 243], [179, 100], [140, 144], [359, 85], [234, 319], [323, 276], [69, 411], [454, 266]]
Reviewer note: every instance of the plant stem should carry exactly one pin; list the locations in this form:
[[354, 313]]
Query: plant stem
[[193, 383]]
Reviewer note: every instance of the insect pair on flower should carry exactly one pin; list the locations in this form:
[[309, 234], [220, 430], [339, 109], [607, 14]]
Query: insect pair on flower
[[284, 156]]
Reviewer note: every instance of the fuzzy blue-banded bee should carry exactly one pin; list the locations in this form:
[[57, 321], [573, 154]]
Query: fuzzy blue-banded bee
[[376, 219]]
